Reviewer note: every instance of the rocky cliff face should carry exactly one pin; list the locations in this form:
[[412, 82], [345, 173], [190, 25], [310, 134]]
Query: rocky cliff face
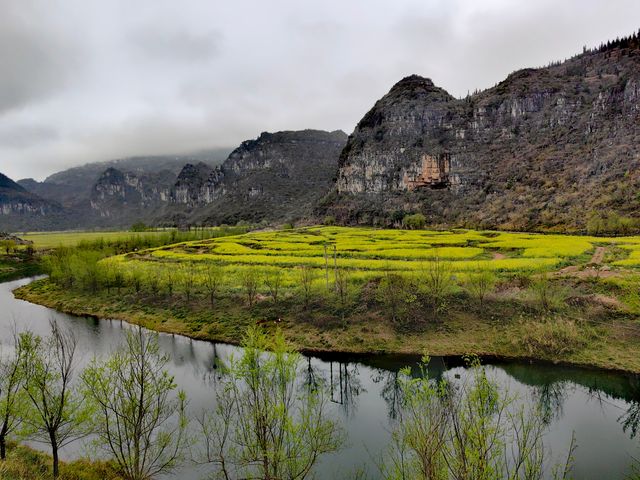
[[275, 177], [544, 149], [20, 208], [198, 184], [126, 195], [278, 176]]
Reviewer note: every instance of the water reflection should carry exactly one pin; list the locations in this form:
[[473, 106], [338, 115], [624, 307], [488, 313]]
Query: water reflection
[[603, 409]]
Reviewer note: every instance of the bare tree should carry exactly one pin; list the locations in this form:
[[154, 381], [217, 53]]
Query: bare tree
[[436, 283], [139, 422], [394, 292], [60, 414], [480, 284], [342, 289], [273, 282], [187, 279], [250, 280], [307, 276], [213, 280]]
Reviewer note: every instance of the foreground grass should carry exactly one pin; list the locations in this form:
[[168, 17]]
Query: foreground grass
[[24, 463]]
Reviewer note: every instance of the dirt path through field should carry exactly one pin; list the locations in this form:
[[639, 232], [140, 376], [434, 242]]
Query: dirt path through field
[[598, 256]]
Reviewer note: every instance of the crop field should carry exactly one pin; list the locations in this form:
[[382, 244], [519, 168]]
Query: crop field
[[43, 240], [47, 240], [367, 253]]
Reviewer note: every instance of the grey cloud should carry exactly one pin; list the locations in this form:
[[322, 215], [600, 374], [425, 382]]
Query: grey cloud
[[83, 81], [25, 136], [176, 45], [36, 59]]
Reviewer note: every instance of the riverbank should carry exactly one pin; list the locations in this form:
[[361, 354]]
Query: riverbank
[[19, 265], [591, 335], [24, 463]]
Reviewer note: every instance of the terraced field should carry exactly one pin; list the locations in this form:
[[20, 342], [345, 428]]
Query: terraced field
[[367, 253]]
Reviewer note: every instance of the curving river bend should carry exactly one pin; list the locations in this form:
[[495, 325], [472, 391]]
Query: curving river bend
[[602, 408]]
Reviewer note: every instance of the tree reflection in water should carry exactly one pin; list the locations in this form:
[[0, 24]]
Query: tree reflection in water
[[391, 391], [345, 385], [630, 420], [550, 398]]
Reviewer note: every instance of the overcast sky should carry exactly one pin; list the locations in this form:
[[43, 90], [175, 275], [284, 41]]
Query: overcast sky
[[83, 80]]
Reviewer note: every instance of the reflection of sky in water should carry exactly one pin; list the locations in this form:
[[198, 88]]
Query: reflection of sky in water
[[363, 393]]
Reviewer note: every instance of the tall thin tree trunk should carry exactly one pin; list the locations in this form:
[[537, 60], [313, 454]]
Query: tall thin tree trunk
[[3, 447], [54, 454]]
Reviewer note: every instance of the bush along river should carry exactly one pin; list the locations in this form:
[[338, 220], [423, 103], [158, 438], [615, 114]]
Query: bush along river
[[600, 409]]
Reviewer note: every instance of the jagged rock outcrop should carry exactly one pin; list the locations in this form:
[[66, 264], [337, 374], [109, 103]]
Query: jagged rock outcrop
[[278, 176], [198, 185], [115, 193], [544, 149], [20, 208], [128, 196]]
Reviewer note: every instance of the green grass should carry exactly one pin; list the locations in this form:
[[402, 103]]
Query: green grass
[[24, 463], [18, 265], [43, 240]]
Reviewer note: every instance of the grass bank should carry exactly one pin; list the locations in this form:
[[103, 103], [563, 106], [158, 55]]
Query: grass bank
[[19, 265], [587, 333], [560, 298], [24, 463]]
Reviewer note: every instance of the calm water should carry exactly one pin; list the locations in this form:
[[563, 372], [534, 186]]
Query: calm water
[[599, 407]]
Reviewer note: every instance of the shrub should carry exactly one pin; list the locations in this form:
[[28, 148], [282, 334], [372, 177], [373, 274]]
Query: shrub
[[329, 220], [395, 292], [436, 284], [551, 338], [414, 222], [547, 295], [480, 284]]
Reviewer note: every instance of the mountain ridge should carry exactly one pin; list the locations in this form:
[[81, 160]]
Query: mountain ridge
[[545, 149]]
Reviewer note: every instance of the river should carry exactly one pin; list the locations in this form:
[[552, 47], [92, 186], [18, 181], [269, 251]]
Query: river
[[600, 407]]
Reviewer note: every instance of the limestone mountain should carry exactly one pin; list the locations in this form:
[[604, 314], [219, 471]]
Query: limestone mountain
[[73, 187], [278, 176], [20, 208], [545, 149], [127, 197]]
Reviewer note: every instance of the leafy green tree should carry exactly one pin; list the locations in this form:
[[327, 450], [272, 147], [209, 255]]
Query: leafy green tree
[[213, 281], [250, 280], [395, 293], [13, 405], [266, 426], [59, 413], [139, 420], [465, 430], [273, 282], [414, 222]]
